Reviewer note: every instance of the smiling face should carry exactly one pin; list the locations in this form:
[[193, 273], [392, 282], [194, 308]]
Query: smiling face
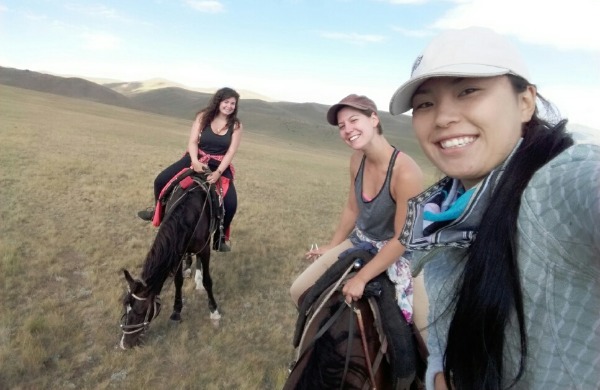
[[469, 126], [227, 106], [356, 128]]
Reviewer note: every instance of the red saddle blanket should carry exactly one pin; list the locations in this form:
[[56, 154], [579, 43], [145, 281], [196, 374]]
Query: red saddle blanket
[[184, 180]]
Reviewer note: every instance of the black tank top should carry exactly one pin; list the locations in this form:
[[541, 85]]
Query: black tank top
[[211, 143]]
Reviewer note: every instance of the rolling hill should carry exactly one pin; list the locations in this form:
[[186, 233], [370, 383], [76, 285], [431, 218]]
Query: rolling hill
[[301, 123], [74, 87]]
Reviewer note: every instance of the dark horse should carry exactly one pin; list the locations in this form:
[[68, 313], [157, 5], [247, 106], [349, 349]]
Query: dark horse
[[365, 345], [186, 230]]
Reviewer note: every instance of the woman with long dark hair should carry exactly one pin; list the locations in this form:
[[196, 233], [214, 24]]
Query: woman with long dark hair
[[214, 139], [510, 238]]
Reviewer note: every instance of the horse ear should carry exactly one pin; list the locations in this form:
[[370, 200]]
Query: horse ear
[[129, 279]]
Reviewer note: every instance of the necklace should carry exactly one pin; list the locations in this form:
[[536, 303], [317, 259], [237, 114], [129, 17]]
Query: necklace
[[219, 130]]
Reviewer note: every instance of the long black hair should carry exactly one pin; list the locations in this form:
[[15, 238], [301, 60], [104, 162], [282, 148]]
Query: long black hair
[[212, 109], [491, 293]]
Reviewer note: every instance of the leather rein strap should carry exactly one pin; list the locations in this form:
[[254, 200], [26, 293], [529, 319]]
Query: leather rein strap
[[372, 366], [361, 327]]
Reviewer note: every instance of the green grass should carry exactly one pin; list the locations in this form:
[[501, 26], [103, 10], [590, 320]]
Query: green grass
[[72, 176]]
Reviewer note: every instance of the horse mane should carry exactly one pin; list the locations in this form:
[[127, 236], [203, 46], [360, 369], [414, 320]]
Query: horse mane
[[172, 239], [325, 367]]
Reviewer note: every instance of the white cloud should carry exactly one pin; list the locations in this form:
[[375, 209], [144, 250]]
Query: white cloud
[[563, 25], [353, 37], [100, 41], [210, 6], [33, 17], [413, 33], [404, 1], [576, 103], [101, 11], [94, 10]]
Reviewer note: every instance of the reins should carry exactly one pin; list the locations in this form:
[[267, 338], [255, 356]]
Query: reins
[[372, 366], [335, 287], [212, 226], [361, 327]]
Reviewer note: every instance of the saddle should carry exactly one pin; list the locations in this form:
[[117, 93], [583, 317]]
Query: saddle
[[402, 353], [180, 186]]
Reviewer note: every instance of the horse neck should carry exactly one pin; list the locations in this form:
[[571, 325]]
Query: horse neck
[[171, 242]]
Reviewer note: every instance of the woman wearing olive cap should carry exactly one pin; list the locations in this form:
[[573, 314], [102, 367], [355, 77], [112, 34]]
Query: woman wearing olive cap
[[511, 235], [382, 179]]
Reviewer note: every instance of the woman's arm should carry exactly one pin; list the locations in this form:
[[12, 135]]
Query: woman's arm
[[193, 144], [407, 182]]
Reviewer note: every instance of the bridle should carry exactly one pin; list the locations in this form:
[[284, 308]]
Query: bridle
[[135, 328]]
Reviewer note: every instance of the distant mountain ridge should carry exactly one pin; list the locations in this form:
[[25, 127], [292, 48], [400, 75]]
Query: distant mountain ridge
[[133, 87], [303, 123], [75, 87]]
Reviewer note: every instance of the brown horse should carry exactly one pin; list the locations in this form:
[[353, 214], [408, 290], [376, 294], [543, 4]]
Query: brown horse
[[365, 345], [187, 229]]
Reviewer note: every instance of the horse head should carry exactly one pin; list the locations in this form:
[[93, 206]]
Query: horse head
[[140, 308]]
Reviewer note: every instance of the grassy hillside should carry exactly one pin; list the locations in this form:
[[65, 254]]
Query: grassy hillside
[[65, 86], [73, 174], [298, 124]]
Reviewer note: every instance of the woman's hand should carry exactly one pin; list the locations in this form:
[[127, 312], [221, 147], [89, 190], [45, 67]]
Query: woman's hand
[[315, 252], [354, 288], [213, 177], [199, 167]]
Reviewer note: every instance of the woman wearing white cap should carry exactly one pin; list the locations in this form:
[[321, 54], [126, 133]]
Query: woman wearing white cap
[[382, 179], [510, 237]]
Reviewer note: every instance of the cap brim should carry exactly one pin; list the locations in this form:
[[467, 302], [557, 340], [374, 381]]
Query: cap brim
[[332, 113], [401, 100]]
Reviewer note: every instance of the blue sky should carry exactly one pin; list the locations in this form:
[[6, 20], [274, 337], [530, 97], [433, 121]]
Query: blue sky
[[298, 50]]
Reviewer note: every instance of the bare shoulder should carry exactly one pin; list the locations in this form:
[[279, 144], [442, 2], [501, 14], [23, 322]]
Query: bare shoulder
[[406, 168], [407, 179], [355, 160], [238, 126]]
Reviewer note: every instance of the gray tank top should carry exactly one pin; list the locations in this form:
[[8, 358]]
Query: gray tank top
[[376, 217]]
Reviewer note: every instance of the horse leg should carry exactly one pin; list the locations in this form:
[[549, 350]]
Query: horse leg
[[204, 259], [198, 275], [178, 304], [187, 266]]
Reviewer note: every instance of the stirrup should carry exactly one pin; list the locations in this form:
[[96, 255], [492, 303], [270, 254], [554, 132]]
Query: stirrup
[[221, 246]]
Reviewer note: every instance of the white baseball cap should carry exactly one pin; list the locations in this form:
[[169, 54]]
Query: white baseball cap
[[471, 52]]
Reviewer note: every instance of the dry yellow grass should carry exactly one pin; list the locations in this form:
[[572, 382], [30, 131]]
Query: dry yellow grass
[[72, 176]]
